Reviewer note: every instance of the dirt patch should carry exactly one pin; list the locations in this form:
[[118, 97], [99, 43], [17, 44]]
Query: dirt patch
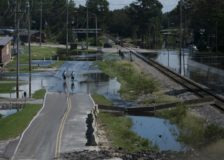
[[106, 154]]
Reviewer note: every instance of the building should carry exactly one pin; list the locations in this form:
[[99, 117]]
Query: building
[[34, 36], [5, 50]]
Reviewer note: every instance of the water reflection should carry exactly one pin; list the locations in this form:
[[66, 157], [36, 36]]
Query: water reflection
[[159, 131], [198, 71]]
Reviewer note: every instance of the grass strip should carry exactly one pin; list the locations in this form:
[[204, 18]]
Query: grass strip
[[39, 94], [101, 100], [12, 126], [194, 131], [133, 82], [7, 87]]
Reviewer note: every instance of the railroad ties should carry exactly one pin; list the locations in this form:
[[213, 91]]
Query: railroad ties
[[197, 89]]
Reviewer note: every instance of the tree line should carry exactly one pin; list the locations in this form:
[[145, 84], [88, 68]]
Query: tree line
[[142, 20]]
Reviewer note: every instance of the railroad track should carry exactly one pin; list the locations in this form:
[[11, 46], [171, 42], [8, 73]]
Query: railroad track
[[192, 86]]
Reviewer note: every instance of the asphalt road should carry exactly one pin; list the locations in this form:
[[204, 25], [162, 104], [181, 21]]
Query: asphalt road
[[39, 140], [60, 127], [74, 134]]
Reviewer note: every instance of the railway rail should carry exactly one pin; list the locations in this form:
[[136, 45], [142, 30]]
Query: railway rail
[[192, 86]]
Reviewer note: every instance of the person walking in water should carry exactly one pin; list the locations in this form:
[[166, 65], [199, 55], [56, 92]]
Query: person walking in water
[[72, 76], [64, 75]]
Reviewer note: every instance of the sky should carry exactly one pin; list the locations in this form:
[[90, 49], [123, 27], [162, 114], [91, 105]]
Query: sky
[[168, 5]]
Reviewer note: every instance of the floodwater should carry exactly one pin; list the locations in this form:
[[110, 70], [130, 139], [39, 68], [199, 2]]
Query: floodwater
[[8, 112], [192, 67], [159, 131], [89, 79]]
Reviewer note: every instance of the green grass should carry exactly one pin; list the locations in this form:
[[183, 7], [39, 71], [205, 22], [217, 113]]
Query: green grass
[[38, 53], [39, 94], [56, 64], [101, 100], [133, 82], [7, 87], [194, 131], [14, 125], [119, 133]]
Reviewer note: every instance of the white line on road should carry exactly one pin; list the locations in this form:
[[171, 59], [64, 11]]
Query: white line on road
[[17, 147]]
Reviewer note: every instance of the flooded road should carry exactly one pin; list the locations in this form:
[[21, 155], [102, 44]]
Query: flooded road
[[85, 77]]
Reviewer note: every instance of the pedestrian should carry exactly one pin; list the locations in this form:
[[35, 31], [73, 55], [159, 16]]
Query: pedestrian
[[24, 94], [72, 76], [64, 75]]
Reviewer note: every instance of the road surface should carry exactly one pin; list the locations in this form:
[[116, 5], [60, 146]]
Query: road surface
[[39, 140], [74, 137], [60, 127]]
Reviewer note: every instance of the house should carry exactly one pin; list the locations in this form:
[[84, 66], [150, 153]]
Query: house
[[5, 50], [35, 36]]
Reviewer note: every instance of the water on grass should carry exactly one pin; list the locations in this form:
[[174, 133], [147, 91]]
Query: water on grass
[[89, 79], [8, 112], [159, 131], [197, 69]]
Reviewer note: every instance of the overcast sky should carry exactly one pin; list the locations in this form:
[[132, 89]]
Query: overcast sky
[[116, 4]]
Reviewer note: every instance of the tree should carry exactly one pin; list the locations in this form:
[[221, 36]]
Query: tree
[[205, 20], [101, 9], [146, 17], [120, 23]]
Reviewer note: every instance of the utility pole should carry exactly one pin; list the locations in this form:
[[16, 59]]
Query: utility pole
[[17, 49], [87, 26], [67, 27], [29, 47], [96, 29], [181, 35], [41, 21]]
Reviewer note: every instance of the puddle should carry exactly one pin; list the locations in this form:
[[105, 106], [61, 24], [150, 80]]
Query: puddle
[[8, 112], [159, 131]]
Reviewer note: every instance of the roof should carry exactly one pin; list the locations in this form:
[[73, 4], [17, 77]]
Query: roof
[[25, 32], [5, 40]]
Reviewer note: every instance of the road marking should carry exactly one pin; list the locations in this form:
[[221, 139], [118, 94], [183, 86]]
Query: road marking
[[17, 147], [61, 128]]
